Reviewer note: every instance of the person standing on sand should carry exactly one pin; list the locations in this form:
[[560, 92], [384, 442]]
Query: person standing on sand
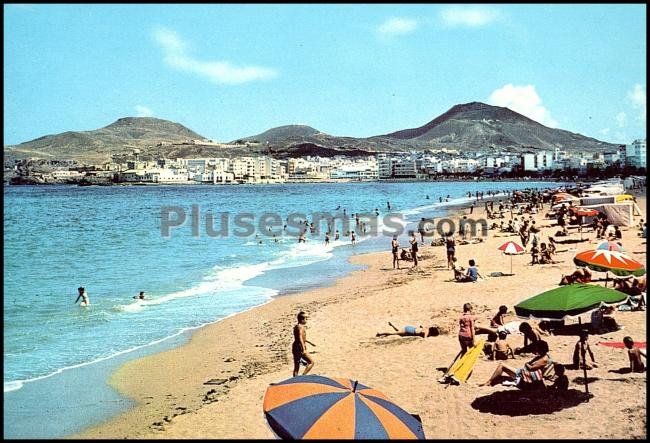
[[450, 244], [414, 250], [299, 346], [466, 329], [395, 249]]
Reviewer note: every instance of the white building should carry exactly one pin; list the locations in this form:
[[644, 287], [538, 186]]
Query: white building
[[635, 154]]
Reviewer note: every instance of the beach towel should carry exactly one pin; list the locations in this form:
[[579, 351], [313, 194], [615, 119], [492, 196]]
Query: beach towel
[[621, 345], [461, 369]]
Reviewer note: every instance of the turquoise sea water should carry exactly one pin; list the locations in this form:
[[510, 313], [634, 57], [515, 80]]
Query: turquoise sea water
[[109, 240]]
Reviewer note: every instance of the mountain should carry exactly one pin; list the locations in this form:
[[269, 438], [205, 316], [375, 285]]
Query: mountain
[[123, 135], [466, 127], [477, 125]]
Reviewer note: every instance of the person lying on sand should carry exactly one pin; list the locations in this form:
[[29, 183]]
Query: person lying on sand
[[411, 331], [580, 275]]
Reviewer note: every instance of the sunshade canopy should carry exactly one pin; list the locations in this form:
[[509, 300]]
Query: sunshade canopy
[[511, 248], [583, 212], [313, 406], [615, 262], [568, 301]]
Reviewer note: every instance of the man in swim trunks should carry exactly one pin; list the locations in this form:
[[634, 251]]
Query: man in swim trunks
[[299, 347]]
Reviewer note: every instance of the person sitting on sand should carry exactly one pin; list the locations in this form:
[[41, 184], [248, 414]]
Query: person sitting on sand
[[532, 334], [581, 344], [634, 354], [545, 255], [472, 274], [533, 371], [552, 249], [405, 255], [299, 347], [561, 384], [458, 270], [411, 331], [502, 348], [499, 318]]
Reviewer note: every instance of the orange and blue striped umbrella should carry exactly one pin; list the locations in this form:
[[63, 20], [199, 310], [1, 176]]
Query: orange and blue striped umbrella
[[317, 407]]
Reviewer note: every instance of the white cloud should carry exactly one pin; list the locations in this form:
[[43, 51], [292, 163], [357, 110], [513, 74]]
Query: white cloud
[[604, 131], [143, 111], [398, 26], [468, 16], [221, 72], [524, 100], [620, 119], [638, 98]]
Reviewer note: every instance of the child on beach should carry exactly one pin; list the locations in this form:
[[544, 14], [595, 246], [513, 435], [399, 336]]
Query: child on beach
[[581, 344], [561, 383], [299, 347], [634, 354], [501, 348], [472, 274], [498, 319]]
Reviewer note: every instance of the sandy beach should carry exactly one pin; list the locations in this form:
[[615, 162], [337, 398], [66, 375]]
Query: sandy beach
[[241, 355]]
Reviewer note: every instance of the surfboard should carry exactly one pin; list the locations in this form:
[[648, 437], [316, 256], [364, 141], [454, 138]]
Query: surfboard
[[461, 369]]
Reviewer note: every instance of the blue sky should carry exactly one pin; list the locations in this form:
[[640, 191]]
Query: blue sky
[[234, 70]]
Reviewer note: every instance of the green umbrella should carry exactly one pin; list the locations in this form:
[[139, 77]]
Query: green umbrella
[[568, 301]]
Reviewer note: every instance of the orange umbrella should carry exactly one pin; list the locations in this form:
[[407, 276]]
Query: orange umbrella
[[318, 407], [603, 260]]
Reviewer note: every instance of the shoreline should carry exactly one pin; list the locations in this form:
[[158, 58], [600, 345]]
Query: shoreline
[[174, 402]]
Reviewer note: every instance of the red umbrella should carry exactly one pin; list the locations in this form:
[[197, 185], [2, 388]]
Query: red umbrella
[[511, 248], [603, 260]]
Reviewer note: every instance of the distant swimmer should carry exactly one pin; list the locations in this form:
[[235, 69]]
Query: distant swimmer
[[301, 239], [336, 235], [354, 237], [83, 295], [427, 196], [440, 199], [139, 296], [327, 239], [388, 205]]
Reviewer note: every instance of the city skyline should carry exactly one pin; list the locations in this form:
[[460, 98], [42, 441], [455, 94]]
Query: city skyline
[[232, 71]]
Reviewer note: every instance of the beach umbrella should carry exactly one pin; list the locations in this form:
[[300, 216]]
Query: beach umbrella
[[511, 248], [569, 301], [318, 407], [603, 260], [610, 246]]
